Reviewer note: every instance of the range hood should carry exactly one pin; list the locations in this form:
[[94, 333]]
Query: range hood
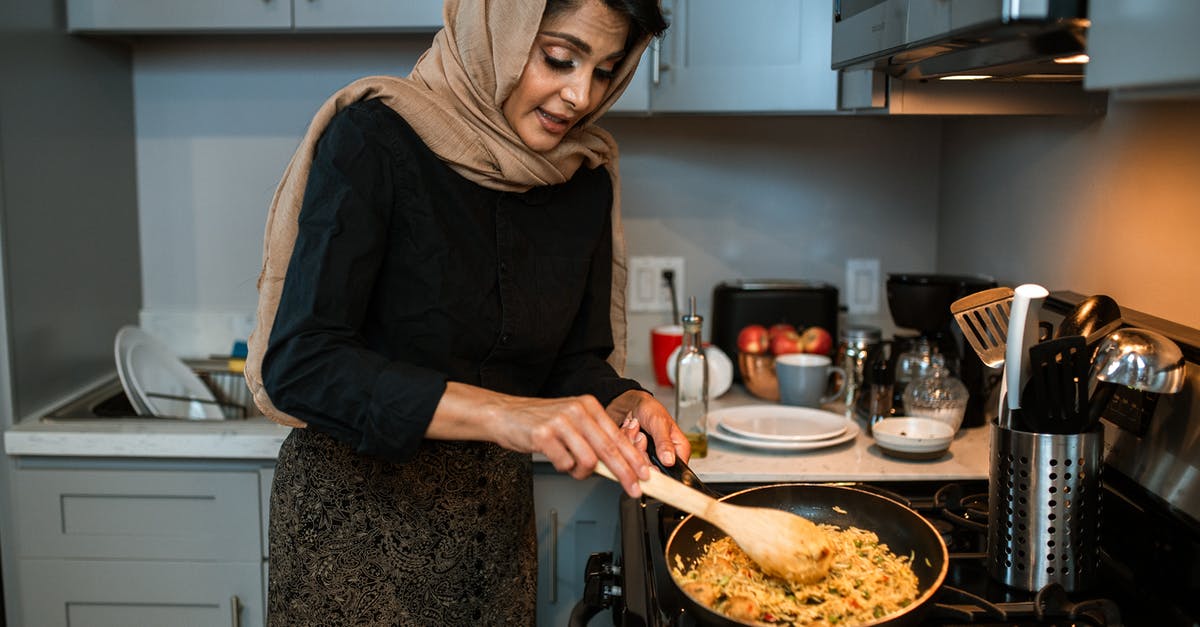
[[989, 40]]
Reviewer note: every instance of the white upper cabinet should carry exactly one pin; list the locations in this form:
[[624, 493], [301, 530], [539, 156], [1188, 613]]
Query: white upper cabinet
[[165, 16], [747, 56], [368, 14], [636, 98], [1144, 47], [177, 15]]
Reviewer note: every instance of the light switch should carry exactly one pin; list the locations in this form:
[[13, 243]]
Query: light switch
[[862, 286]]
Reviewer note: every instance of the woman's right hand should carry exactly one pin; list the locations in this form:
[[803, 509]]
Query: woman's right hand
[[573, 432]]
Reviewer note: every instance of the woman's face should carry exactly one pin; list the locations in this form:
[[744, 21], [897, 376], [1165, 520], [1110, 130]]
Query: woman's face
[[569, 69]]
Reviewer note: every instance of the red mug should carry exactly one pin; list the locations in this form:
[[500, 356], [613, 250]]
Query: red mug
[[663, 341]]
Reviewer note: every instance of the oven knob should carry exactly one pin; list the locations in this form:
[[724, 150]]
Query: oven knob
[[601, 588], [602, 580]]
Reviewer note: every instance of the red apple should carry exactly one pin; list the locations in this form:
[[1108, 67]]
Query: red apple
[[780, 328], [787, 342], [753, 339], [816, 340]]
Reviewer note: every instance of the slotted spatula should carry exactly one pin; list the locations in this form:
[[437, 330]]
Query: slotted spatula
[[983, 319], [1059, 377]]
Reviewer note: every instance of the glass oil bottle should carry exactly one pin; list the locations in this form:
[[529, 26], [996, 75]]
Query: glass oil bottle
[[691, 384]]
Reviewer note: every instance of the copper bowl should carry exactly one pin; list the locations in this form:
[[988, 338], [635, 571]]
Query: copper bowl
[[758, 375]]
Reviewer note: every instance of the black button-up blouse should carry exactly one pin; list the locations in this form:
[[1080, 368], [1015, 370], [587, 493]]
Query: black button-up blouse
[[405, 275]]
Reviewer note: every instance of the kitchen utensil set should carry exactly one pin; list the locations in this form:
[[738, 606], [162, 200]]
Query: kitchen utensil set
[[1045, 385]]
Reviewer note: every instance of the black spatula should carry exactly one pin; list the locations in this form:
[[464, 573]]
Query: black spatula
[[1058, 385]]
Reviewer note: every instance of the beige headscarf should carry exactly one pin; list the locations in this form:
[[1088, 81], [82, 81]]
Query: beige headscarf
[[452, 100]]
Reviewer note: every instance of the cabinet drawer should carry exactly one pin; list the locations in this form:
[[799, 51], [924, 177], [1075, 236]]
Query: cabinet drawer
[[210, 516], [59, 593]]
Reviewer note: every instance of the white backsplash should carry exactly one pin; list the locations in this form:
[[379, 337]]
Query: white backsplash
[[198, 333]]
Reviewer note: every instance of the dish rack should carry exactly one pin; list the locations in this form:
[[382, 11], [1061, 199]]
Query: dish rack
[[108, 400], [229, 388]]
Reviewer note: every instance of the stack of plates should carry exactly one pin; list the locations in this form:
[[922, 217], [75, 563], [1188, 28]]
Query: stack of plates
[[781, 428]]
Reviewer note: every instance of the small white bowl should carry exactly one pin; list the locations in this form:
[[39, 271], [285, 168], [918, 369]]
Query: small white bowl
[[913, 438]]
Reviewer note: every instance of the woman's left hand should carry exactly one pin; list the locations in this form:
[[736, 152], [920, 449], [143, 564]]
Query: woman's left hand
[[636, 410]]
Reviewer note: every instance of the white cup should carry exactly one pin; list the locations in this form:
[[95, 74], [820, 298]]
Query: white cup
[[804, 379]]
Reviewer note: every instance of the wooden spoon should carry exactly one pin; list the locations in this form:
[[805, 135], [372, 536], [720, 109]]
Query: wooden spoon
[[781, 543]]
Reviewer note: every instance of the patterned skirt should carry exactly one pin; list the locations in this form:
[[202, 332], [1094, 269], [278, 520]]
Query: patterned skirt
[[447, 538]]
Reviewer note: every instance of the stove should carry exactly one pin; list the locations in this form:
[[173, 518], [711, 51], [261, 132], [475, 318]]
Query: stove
[[1148, 573], [1148, 570]]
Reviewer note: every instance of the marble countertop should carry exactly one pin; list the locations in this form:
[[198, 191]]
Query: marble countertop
[[258, 438]]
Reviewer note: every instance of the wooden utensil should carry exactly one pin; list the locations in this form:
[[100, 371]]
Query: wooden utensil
[[983, 319], [781, 543]]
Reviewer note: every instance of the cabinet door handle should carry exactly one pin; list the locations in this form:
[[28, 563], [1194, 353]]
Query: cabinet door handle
[[554, 556], [654, 58], [657, 66], [235, 604]]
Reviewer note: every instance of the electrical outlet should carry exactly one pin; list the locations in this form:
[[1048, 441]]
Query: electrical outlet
[[648, 291], [862, 286]]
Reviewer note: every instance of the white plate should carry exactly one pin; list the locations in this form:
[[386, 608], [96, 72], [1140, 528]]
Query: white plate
[[782, 423], [769, 445], [152, 369], [720, 370], [126, 336]]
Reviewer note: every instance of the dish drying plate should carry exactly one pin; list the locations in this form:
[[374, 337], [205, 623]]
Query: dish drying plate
[[158, 383]]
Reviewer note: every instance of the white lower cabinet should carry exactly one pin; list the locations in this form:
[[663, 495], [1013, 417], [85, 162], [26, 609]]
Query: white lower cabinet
[[574, 520], [177, 545], [97, 547], [120, 593]]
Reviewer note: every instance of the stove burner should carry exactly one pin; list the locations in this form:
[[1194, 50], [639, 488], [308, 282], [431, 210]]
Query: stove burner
[[969, 511], [1050, 606]]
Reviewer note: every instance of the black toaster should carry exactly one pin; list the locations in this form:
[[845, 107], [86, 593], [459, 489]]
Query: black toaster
[[802, 304]]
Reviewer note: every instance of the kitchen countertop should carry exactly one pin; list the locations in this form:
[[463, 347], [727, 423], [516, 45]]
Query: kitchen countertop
[[259, 438]]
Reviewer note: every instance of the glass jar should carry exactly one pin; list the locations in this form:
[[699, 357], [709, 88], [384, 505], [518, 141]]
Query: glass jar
[[854, 351], [938, 395], [911, 364]]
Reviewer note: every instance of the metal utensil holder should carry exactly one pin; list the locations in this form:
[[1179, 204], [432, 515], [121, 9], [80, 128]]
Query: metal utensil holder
[[1044, 508]]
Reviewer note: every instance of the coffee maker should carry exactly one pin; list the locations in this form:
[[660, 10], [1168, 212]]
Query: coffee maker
[[921, 302]]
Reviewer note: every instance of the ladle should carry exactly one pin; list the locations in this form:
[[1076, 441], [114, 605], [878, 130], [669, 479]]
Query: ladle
[[1140, 359], [1135, 358], [781, 543]]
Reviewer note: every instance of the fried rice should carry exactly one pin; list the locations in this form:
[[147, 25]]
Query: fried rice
[[866, 582]]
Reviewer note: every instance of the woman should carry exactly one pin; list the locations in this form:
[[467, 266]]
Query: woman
[[442, 295]]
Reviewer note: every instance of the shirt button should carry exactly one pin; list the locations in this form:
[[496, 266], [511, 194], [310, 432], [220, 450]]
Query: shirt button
[[503, 267], [506, 338]]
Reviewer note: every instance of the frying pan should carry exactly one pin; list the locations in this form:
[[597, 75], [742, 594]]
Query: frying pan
[[902, 529]]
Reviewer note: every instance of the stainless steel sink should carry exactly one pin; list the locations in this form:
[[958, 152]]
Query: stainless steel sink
[[107, 400]]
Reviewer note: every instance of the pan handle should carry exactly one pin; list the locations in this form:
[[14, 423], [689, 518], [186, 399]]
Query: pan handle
[[680, 472]]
